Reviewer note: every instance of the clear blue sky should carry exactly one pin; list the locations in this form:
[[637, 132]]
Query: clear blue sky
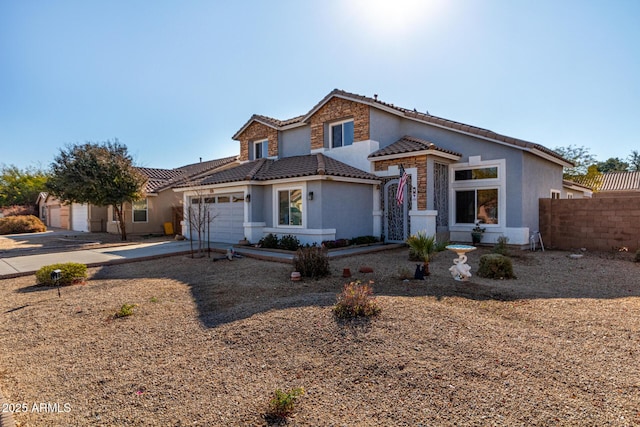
[[174, 80]]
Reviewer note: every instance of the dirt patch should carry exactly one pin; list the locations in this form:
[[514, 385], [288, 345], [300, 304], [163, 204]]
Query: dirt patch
[[209, 342]]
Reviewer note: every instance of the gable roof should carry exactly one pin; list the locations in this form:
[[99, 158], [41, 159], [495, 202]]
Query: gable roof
[[408, 144], [263, 170], [613, 181], [412, 115], [161, 179]]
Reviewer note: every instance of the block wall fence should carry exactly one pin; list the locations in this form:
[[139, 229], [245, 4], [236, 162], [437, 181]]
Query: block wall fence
[[603, 224]]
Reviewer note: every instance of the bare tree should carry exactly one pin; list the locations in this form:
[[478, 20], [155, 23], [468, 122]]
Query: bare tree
[[199, 218]]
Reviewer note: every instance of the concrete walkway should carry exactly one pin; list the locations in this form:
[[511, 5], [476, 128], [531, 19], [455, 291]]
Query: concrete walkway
[[29, 264]]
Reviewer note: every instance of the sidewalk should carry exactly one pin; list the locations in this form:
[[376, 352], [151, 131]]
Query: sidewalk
[[29, 264]]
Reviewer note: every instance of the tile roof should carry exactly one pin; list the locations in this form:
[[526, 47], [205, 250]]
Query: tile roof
[[269, 121], [288, 167], [409, 144], [614, 181], [160, 179]]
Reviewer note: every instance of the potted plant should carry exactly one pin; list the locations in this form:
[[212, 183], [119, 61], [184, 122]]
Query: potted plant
[[477, 232]]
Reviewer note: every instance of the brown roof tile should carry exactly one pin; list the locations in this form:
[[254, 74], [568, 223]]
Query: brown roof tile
[[409, 144], [160, 179], [613, 181], [288, 167]]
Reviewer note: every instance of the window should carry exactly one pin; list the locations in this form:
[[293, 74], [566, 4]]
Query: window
[[478, 193], [290, 207], [477, 204], [555, 194], [140, 211], [569, 195], [341, 134], [260, 149]]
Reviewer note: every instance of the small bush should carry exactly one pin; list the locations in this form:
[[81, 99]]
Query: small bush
[[637, 257], [421, 246], [71, 272], [289, 243], [501, 246], [364, 240], [356, 300], [283, 403], [125, 310], [311, 262], [16, 210], [21, 224], [333, 244], [270, 241], [496, 266]]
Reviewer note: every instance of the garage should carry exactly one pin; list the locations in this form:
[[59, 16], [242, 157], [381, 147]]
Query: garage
[[227, 216], [79, 217], [55, 219]]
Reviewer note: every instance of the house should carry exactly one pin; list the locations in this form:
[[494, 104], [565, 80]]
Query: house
[[74, 216], [161, 205], [614, 184], [334, 172]]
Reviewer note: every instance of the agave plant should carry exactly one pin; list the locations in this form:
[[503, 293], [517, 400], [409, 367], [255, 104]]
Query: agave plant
[[421, 246]]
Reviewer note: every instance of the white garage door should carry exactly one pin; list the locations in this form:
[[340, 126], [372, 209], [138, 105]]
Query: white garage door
[[227, 211], [54, 216], [79, 217]]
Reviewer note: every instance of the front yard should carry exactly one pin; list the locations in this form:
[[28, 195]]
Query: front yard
[[209, 342]]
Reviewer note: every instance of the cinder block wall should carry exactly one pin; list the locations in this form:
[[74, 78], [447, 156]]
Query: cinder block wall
[[596, 224]]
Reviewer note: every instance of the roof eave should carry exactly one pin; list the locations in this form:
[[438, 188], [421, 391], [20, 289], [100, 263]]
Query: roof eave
[[448, 156]]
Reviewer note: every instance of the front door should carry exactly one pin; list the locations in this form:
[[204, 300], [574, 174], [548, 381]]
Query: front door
[[396, 224]]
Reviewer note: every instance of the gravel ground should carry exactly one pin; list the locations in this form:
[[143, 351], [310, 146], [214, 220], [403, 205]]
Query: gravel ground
[[209, 342]]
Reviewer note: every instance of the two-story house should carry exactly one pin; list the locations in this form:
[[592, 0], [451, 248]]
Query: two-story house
[[333, 173]]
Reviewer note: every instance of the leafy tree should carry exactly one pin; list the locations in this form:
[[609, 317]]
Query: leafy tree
[[20, 186], [97, 173], [580, 157], [613, 164], [634, 161]]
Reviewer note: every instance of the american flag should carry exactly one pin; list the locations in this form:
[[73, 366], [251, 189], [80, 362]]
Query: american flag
[[401, 185]]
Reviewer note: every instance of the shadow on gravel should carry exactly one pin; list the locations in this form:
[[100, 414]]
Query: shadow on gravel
[[228, 291]]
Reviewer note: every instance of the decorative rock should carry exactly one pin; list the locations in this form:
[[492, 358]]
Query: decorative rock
[[346, 272], [365, 269], [296, 276]]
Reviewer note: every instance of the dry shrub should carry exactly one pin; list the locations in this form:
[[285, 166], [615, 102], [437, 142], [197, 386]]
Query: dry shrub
[[21, 224], [312, 262], [70, 272], [356, 300]]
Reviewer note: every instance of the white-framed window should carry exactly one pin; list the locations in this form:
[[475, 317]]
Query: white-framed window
[[140, 208], [341, 134], [478, 192], [555, 194], [569, 195], [290, 209], [260, 149]]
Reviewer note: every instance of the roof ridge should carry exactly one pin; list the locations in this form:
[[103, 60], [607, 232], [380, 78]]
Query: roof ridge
[[254, 170], [321, 166]]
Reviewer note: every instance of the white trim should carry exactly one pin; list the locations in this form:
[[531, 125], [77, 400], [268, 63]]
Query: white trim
[[554, 191], [264, 148], [302, 186], [133, 216], [478, 184], [243, 184]]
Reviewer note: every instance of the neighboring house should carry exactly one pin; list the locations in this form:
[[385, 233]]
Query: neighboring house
[[334, 172], [614, 184], [161, 204], [74, 216], [572, 190]]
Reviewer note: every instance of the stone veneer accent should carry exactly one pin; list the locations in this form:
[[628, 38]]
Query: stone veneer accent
[[255, 132], [418, 162], [340, 109]]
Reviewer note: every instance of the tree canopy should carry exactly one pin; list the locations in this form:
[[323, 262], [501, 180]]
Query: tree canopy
[[580, 157], [613, 164], [100, 174], [634, 161], [20, 186]]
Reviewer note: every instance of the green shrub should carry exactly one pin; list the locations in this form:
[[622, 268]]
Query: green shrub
[[496, 266], [125, 310], [70, 272], [637, 257], [501, 246], [270, 241], [333, 244], [283, 403], [289, 243], [21, 224], [356, 300], [421, 246], [312, 262], [364, 240]]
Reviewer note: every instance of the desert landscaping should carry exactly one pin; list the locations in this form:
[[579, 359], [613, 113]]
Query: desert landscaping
[[209, 342]]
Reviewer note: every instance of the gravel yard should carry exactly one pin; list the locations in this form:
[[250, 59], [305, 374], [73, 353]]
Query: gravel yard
[[209, 342]]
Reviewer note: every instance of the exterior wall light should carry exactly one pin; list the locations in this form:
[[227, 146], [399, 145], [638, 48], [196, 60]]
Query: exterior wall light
[[247, 198], [310, 195]]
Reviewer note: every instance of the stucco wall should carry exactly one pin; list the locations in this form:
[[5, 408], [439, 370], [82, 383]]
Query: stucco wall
[[345, 207], [295, 142], [596, 224]]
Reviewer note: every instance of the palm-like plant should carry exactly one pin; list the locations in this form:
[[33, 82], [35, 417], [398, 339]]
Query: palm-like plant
[[421, 247]]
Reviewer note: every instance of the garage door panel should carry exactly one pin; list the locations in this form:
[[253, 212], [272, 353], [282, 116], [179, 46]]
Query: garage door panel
[[227, 220]]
